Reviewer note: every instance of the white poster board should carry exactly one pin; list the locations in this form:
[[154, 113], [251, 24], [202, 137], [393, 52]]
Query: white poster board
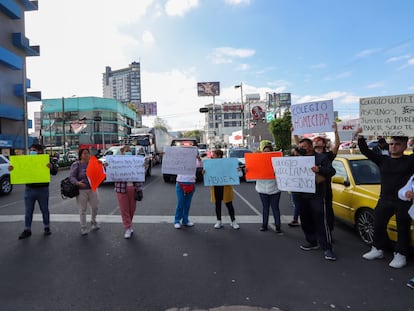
[[295, 174], [125, 168], [179, 160], [387, 115], [312, 117]]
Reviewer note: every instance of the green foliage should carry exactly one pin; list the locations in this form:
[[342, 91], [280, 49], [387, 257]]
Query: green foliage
[[161, 124], [195, 133], [281, 131]]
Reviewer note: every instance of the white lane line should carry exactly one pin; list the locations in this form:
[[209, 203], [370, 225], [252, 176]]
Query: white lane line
[[248, 203], [147, 219]]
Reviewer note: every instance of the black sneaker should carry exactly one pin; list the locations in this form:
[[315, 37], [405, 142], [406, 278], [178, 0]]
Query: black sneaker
[[47, 231], [294, 223], [309, 247], [25, 234], [278, 230], [263, 228], [329, 255], [410, 283]]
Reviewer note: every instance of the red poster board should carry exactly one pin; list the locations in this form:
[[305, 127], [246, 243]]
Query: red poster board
[[259, 165]]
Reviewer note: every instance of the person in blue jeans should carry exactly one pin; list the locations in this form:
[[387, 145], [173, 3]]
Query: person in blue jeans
[[270, 196], [185, 188], [37, 192]]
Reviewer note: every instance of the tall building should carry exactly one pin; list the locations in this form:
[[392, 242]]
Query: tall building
[[124, 85], [14, 48]]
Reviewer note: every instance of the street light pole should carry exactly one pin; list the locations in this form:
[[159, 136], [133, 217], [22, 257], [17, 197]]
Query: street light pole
[[242, 109], [63, 126]]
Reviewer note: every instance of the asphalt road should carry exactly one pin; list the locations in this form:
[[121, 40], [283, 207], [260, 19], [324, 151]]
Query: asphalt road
[[197, 268]]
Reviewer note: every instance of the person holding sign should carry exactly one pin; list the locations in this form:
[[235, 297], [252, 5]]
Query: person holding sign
[[78, 177], [37, 192], [225, 194], [395, 169], [312, 206], [270, 196], [125, 193]]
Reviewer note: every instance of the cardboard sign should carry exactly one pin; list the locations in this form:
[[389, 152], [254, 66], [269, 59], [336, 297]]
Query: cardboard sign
[[179, 160], [95, 173], [29, 169], [312, 117], [221, 172], [295, 174], [387, 115], [259, 165], [125, 168]]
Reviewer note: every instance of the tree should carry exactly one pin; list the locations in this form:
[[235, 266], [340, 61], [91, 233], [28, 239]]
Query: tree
[[195, 133], [161, 124], [281, 131]]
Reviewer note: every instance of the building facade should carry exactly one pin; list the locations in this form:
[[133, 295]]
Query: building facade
[[90, 122], [124, 85], [14, 48]]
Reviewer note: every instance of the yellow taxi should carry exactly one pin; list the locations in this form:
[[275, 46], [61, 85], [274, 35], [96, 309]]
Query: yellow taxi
[[355, 190]]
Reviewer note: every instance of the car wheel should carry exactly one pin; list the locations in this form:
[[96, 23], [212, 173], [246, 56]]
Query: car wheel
[[365, 225], [5, 186], [166, 178], [149, 170]]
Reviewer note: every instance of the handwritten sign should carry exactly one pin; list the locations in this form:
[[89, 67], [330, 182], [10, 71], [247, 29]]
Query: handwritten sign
[[387, 115], [259, 165], [179, 160], [125, 168], [29, 169], [312, 117], [295, 174], [221, 172]]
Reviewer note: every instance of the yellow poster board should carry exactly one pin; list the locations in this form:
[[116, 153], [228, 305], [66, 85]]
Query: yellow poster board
[[29, 169]]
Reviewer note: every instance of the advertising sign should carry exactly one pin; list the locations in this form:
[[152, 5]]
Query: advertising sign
[[208, 88]]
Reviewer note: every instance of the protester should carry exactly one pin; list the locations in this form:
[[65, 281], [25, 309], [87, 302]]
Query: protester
[[86, 196], [225, 194], [320, 146], [382, 148], [125, 193], [184, 188], [312, 207], [395, 170], [37, 192], [269, 196], [295, 221], [406, 193]]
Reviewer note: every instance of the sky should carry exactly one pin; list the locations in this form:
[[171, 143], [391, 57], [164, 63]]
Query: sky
[[319, 49]]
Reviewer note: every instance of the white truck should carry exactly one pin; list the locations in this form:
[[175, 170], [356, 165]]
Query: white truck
[[154, 138]]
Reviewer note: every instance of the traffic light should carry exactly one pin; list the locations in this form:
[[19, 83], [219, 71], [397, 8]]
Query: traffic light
[[203, 110]]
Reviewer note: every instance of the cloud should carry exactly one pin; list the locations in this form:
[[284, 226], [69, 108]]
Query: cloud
[[147, 38], [238, 2], [180, 7], [318, 66], [397, 58], [411, 87], [409, 63], [243, 67], [225, 55], [366, 53], [376, 85]]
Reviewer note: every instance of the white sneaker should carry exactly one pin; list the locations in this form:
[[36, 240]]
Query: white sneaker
[[218, 225], [399, 261], [374, 253], [235, 225], [189, 224], [128, 234], [84, 231], [95, 226], [177, 226]]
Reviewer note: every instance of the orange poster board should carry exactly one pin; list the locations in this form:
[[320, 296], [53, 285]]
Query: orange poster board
[[259, 165], [95, 173]]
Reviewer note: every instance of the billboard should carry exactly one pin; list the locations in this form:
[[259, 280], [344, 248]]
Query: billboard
[[149, 109], [208, 88], [276, 100]]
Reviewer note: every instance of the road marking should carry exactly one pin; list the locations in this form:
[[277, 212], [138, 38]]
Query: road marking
[[248, 203], [146, 219]]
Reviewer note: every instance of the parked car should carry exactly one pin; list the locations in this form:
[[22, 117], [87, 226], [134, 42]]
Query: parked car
[[5, 186], [239, 154], [356, 189], [136, 151]]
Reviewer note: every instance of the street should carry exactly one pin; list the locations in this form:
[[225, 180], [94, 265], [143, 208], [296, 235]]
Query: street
[[196, 268]]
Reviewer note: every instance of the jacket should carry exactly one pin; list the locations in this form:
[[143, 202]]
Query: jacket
[[267, 186], [228, 194]]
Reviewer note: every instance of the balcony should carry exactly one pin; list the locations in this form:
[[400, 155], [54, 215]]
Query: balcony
[[23, 43]]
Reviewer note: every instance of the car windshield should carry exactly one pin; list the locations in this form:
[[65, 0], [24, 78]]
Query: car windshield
[[365, 172], [238, 153]]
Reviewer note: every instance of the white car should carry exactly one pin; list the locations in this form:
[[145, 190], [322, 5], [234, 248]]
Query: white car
[[5, 186]]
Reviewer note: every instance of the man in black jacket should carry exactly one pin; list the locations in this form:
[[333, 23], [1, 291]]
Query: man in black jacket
[[37, 192], [395, 170], [312, 206]]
